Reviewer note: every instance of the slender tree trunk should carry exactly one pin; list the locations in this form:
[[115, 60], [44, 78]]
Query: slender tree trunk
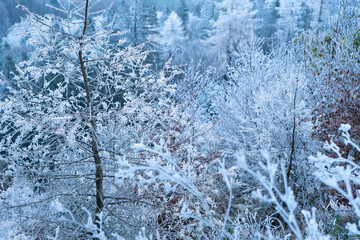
[[292, 153], [320, 11], [94, 140]]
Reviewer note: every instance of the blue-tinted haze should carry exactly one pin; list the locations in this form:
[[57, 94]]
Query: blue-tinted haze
[[164, 3]]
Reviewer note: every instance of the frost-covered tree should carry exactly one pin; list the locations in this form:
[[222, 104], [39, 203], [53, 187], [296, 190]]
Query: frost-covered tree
[[304, 23], [7, 63], [236, 21], [72, 110], [197, 28], [267, 14], [142, 21], [142, 25], [122, 13], [171, 34], [183, 13], [199, 20], [321, 12], [209, 9], [184, 170], [264, 105], [287, 24]]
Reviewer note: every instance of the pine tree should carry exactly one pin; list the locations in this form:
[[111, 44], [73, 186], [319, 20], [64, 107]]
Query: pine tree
[[268, 15], [287, 24], [142, 21], [183, 12], [6, 63], [236, 21], [171, 34], [305, 17], [209, 10], [321, 12], [139, 19]]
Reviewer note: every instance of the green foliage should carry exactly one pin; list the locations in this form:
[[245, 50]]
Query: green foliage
[[357, 40]]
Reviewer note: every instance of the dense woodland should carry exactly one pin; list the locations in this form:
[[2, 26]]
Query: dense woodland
[[218, 119]]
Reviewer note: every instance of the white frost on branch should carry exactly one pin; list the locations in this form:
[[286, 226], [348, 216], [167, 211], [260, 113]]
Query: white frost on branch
[[341, 173]]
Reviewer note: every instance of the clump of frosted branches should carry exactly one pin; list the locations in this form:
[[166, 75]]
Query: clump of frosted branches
[[341, 173], [191, 180], [282, 197]]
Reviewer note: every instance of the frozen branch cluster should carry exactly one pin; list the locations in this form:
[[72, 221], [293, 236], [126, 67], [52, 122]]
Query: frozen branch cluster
[[341, 173]]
